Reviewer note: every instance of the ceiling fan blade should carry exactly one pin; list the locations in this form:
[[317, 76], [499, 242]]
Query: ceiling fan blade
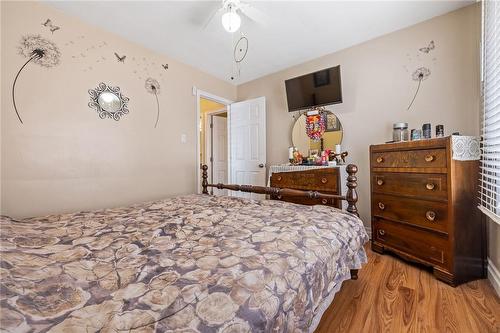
[[253, 13], [211, 18]]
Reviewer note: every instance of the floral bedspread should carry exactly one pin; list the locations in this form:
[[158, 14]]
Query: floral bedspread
[[194, 263]]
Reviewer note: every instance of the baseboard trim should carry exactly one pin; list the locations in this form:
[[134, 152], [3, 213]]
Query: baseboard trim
[[494, 276]]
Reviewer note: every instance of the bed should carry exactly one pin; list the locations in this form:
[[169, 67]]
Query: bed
[[195, 263]]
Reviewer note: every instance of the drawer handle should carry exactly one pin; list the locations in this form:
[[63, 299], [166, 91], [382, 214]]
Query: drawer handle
[[324, 180], [429, 158], [381, 206], [278, 178], [279, 197], [430, 215], [380, 182], [380, 159], [430, 186], [381, 232], [324, 201]]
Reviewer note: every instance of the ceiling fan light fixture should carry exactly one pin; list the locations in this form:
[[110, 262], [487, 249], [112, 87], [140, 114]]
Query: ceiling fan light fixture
[[231, 21]]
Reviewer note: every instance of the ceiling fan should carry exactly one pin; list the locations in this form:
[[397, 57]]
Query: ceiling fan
[[231, 11]]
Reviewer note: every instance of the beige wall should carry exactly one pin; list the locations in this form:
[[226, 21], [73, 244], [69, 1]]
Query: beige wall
[[64, 158], [377, 88]]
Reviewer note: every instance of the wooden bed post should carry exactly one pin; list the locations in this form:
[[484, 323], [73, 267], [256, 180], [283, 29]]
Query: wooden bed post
[[204, 176], [352, 194]]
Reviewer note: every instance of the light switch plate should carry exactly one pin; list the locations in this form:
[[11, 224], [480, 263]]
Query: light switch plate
[[183, 138], [194, 90]]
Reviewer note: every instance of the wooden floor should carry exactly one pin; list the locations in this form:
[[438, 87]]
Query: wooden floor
[[392, 295]]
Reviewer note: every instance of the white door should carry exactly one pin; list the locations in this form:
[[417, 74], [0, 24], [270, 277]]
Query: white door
[[217, 143], [247, 131]]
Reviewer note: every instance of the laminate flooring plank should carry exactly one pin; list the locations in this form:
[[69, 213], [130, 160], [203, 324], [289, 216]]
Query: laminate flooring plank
[[392, 295]]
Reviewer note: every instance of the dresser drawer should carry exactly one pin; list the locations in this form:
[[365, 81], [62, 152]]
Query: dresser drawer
[[316, 180], [423, 158], [431, 215], [425, 185], [420, 244]]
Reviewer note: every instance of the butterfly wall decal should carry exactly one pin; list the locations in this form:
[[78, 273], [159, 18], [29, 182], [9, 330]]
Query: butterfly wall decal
[[120, 59], [48, 24], [165, 67], [428, 48]]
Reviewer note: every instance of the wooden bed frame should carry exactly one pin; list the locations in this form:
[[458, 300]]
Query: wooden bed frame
[[351, 196]]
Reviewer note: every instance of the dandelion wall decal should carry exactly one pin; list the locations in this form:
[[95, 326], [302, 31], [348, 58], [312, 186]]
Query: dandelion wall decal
[[38, 50], [153, 87], [420, 74]]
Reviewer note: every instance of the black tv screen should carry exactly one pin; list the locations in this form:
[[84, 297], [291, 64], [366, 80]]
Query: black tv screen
[[314, 89]]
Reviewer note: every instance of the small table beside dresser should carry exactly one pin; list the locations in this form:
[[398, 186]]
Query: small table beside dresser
[[424, 205]]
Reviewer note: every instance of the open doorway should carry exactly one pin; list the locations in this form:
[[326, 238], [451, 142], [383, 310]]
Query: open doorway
[[213, 140], [231, 141]]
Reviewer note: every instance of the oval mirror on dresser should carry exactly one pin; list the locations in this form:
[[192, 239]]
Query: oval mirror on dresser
[[332, 136]]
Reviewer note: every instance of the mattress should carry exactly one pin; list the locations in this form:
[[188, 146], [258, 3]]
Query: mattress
[[195, 263]]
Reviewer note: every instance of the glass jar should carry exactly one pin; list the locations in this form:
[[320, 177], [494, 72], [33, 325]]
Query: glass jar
[[426, 131], [439, 131], [416, 134], [400, 132]]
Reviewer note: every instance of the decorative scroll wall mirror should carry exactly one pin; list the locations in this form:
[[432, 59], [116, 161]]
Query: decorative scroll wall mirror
[[331, 137], [108, 101]]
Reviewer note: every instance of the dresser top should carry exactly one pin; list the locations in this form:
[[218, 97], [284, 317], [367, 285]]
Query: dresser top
[[417, 144], [463, 147]]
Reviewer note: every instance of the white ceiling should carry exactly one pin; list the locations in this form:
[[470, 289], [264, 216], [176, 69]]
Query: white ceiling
[[293, 32]]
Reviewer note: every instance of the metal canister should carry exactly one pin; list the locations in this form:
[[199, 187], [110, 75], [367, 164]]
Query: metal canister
[[400, 132]]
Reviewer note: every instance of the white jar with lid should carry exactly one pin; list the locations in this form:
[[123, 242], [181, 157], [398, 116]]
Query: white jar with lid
[[400, 132]]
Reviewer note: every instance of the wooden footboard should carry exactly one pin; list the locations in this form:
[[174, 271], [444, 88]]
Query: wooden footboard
[[351, 196]]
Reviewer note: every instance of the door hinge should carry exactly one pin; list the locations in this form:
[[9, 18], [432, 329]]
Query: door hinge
[[211, 125], [211, 159]]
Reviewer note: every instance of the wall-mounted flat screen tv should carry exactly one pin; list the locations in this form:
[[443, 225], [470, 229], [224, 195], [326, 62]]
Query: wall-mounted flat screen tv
[[314, 89]]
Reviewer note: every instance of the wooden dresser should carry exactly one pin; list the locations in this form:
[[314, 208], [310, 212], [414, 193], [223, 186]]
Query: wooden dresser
[[424, 207], [325, 180]]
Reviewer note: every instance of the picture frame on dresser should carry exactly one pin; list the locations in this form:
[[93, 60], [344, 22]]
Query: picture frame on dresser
[[332, 123], [424, 205]]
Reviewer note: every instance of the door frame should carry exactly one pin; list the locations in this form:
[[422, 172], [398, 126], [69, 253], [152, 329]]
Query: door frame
[[207, 134], [221, 100]]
